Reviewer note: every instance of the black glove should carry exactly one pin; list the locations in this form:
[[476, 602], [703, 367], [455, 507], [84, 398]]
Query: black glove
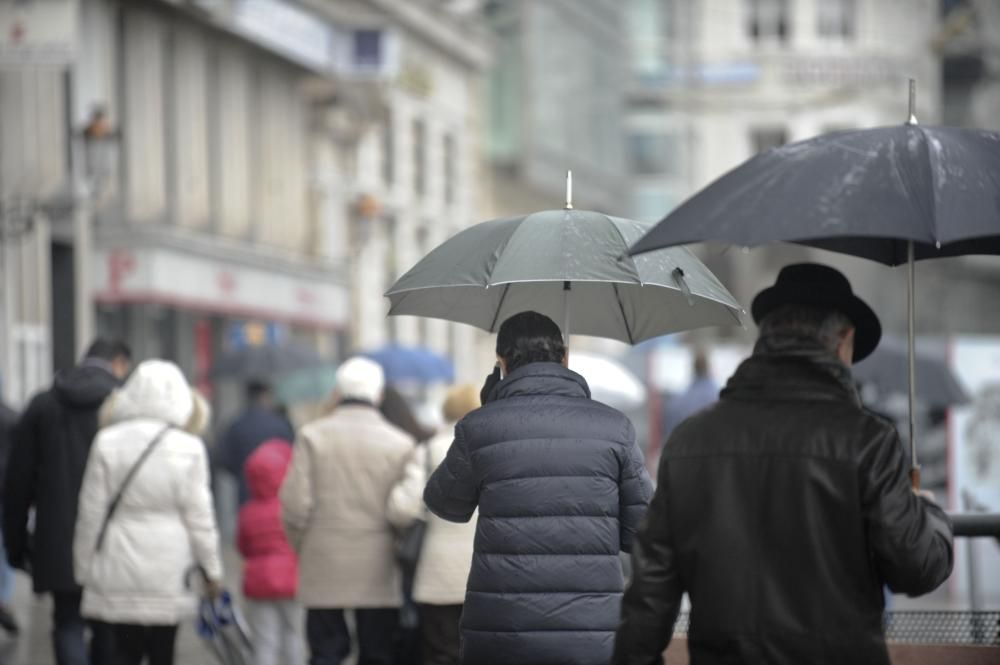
[[491, 380]]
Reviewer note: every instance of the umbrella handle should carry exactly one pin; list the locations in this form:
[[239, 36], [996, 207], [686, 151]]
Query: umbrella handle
[[915, 478]]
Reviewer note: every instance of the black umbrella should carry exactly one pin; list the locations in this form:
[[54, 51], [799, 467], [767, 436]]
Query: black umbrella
[[890, 194], [886, 370], [262, 361]]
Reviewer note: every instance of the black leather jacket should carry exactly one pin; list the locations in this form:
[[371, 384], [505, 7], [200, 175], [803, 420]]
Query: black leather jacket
[[781, 511]]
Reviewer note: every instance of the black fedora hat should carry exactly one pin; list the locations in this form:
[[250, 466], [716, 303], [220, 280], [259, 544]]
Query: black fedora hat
[[817, 285]]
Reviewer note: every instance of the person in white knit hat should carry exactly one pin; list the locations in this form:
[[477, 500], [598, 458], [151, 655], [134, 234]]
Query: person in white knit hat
[[344, 466]]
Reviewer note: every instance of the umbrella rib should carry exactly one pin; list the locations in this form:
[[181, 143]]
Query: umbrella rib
[[626, 244], [621, 308], [496, 314]]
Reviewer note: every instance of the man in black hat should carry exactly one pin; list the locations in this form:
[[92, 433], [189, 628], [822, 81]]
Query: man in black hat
[[783, 510]]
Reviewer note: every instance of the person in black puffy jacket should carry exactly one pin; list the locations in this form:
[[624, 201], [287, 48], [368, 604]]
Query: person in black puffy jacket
[[561, 487]]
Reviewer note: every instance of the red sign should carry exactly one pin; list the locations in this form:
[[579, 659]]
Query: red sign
[[121, 264]]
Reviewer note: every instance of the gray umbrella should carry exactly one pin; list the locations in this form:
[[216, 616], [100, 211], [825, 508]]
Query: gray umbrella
[[570, 265]]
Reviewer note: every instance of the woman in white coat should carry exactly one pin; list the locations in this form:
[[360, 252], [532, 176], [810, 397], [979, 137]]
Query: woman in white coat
[[134, 576], [446, 554]]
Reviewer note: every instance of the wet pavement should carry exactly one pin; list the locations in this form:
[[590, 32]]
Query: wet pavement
[[33, 645]]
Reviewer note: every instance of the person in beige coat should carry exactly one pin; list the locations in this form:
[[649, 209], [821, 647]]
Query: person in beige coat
[[333, 502], [446, 555]]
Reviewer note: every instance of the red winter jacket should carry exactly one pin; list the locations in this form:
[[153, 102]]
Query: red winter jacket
[[271, 569]]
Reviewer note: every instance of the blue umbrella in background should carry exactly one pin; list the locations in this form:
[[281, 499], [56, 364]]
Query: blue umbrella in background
[[412, 364]]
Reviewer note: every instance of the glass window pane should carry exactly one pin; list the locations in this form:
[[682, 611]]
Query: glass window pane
[[652, 154]]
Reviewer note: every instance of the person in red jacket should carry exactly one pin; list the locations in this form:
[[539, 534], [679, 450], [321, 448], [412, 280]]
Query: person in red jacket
[[271, 568]]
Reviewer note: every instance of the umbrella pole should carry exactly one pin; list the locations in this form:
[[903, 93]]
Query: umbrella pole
[[910, 315], [911, 344], [566, 289]]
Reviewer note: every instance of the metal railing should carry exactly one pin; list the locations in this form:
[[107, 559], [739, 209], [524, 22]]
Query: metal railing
[[976, 525], [940, 627], [937, 627]]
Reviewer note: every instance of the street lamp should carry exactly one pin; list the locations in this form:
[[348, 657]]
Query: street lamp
[[93, 149]]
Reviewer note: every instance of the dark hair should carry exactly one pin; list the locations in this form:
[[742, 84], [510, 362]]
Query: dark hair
[[530, 337], [257, 388], [397, 411], [108, 350]]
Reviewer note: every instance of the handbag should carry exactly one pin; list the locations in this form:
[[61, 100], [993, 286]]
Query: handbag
[[410, 541], [113, 506]]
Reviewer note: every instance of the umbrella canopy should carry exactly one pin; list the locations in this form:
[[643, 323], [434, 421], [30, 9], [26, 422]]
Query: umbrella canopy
[[610, 381], [412, 364], [890, 194], [564, 261], [265, 360], [867, 193], [886, 369]]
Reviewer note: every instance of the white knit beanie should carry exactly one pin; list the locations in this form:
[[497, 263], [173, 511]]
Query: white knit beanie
[[361, 379]]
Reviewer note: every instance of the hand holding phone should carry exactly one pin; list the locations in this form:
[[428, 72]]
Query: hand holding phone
[[491, 380]]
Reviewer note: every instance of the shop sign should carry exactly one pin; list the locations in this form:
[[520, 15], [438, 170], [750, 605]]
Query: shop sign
[[174, 278]]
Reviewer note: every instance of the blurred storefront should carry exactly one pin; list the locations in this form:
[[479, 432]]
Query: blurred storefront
[[174, 304], [216, 205]]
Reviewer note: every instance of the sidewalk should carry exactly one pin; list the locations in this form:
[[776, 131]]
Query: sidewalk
[[34, 614]]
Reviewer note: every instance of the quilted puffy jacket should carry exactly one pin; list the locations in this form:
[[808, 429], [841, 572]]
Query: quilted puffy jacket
[[271, 569], [561, 488]]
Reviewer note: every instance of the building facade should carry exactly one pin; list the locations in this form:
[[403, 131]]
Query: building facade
[[556, 96], [715, 82], [414, 175], [184, 171]]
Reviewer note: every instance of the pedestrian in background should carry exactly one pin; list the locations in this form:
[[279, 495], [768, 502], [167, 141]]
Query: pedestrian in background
[[146, 516], [260, 421], [700, 394], [397, 410], [48, 455], [446, 555], [782, 510], [271, 568], [344, 466], [561, 488], [8, 419]]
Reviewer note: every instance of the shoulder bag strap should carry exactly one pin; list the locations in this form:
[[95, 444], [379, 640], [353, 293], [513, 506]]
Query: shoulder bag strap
[[429, 470], [113, 506]]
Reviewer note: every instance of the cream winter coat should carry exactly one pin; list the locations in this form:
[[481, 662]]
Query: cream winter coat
[[334, 508], [446, 556], [165, 522]]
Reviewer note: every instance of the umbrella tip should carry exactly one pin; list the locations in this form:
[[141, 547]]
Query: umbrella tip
[[569, 190], [912, 119]]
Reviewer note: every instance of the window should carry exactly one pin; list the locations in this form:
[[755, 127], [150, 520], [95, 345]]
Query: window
[[768, 20], [449, 169], [651, 203], [419, 157], [836, 18], [388, 152], [765, 138], [367, 49], [649, 23], [505, 95], [652, 154]]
